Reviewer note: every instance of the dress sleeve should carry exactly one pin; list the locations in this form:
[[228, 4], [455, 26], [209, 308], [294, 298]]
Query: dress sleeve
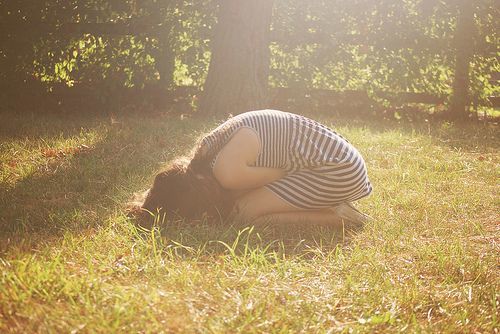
[[211, 144]]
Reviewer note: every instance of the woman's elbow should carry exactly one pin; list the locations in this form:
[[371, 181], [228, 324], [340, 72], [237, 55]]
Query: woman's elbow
[[227, 179]]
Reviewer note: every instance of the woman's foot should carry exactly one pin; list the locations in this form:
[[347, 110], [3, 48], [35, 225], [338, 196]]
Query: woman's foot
[[347, 212]]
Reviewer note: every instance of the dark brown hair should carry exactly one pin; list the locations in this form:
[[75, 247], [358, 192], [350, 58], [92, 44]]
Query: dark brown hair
[[184, 190], [187, 189]]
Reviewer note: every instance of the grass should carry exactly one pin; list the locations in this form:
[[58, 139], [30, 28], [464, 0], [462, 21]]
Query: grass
[[72, 262]]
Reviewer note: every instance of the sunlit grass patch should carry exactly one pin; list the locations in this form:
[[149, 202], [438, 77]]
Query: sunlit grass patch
[[23, 157], [427, 263]]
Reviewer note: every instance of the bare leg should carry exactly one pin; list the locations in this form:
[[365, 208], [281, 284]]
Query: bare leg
[[262, 206], [323, 217]]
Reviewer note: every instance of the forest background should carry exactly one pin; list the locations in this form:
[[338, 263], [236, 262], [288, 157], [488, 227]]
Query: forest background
[[354, 56]]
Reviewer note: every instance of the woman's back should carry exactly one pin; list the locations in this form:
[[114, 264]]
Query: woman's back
[[287, 140]]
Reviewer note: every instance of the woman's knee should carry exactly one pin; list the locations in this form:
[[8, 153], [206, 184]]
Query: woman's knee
[[260, 202]]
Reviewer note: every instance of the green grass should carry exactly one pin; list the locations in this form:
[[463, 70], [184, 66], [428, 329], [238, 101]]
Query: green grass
[[70, 261]]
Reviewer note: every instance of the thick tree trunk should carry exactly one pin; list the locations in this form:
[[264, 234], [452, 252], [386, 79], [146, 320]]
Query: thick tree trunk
[[237, 79], [164, 53], [165, 60], [464, 40]]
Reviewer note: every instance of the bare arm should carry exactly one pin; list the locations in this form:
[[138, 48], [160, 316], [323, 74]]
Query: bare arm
[[233, 168], [255, 177]]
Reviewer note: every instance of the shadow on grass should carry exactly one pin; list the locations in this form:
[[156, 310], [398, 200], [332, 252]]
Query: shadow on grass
[[195, 240], [33, 125], [86, 190], [79, 191]]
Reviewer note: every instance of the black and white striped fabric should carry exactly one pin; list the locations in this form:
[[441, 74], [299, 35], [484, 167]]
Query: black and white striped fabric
[[323, 168]]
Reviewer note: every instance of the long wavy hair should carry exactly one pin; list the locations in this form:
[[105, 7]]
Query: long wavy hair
[[187, 189]]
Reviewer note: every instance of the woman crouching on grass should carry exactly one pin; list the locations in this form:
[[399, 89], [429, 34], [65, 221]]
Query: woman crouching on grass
[[266, 165]]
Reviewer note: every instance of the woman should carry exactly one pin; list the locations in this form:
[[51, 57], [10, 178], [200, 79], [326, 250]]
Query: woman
[[266, 164]]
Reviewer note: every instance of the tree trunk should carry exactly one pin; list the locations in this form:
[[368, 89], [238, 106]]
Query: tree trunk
[[164, 53], [237, 79], [464, 40], [165, 60]]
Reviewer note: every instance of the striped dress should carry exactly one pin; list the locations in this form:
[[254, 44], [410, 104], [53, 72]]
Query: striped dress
[[323, 168]]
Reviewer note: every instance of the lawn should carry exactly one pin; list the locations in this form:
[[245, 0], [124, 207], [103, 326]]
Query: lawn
[[71, 261]]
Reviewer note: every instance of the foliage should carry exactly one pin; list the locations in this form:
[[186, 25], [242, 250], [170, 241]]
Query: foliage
[[389, 45], [163, 29], [396, 46]]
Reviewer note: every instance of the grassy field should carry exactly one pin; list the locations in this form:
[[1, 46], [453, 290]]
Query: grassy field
[[70, 260]]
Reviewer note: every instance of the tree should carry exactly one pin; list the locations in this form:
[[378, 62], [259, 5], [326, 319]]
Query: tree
[[237, 79], [464, 40]]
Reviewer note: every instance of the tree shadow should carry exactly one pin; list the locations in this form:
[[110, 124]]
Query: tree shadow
[[75, 192], [82, 191], [21, 125], [209, 238]]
